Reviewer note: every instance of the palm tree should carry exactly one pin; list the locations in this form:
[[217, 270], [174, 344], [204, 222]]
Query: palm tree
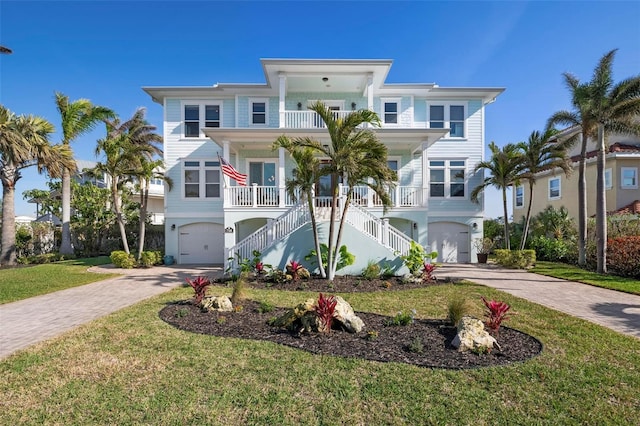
[[24, 142], [148, 170], [78, 118], [615, 108], [356, 155], [505, 166], [540, 153], [126, 146], [304, 178]]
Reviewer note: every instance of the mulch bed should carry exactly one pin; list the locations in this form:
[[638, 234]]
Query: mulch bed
[[392, 343]]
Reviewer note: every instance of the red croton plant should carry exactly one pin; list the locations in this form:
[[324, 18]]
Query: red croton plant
[[293, 269], [497, 312], [325, 309], [199, 285], [427, 272]]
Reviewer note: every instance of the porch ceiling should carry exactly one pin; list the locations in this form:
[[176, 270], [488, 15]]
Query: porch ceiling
[[261, 139]]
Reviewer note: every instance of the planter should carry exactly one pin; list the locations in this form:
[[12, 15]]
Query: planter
[[482, 257], [169, 260]]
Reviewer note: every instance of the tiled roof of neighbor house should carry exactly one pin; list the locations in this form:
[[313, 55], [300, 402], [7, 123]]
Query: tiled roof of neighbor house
[[633, 208], [616, 147]]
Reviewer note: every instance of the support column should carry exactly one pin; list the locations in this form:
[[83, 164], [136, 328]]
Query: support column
[[225, 179], [425, 175], [281, 179], [370, 92], [282, 93]]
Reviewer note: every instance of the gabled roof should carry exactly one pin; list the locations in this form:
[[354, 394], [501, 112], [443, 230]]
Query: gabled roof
[[625, 148]]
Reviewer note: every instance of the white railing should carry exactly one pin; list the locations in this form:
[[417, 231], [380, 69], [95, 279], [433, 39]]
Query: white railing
[[257, 196], [274, 230], [378, 229], [308, 119], [401, 196]]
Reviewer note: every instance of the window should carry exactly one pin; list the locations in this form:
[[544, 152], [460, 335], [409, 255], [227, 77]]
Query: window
[[608, 184], [447, 178], [391, 112], [201, 179], [212, 116], [519, 196], [629, 178], [191, 121], [200, 114], [554, 188], [258, 111], [448, 116], [263, 174]]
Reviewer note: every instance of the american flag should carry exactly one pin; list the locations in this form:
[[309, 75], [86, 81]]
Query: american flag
[[231, 171]]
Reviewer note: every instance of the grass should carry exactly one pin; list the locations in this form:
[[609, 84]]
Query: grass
[[28, 281], [574, 273], [132, 368]]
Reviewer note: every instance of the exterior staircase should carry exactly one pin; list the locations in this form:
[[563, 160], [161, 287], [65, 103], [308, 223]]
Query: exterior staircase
[[297, 216]]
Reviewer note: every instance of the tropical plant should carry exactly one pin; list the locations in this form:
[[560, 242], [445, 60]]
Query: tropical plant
[[541, 153], [415, 258], [199, 286], [356, 156], [505, 166], [295, 268], [148, 171], [371, 271], [126, 146], [496, 313], [615, 108], [427, 272], [77, 118], [24, 142], [325, 308], [344, 258], [483, 245]]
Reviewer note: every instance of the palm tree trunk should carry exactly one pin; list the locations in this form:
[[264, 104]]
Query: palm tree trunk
[[119, 218], [601, 205], [525, 233], [334, 209], [65, 245], [144, 199], [582, 204], [507, 243], [343, 216], [316, 239], [8, 252]]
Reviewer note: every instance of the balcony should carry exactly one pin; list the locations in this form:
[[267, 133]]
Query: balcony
[[256, 196], [307, 119]]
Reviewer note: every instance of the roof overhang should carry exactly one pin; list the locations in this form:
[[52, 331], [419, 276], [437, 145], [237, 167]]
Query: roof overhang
[[393, 138]]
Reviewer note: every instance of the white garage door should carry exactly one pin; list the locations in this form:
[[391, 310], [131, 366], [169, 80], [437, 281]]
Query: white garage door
[[451, 241], [202, 243]]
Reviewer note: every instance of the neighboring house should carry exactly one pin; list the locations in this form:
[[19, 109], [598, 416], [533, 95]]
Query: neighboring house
[[434, 135], [553, 188]]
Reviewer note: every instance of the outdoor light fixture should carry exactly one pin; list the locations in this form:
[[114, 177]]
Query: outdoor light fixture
[[475, 226], [299, 106], [173, 227], [353, 106], [325, 79], [228, 230]]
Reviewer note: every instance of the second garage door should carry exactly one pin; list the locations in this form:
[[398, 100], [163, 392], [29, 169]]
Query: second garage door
[[451, 241], [202, 243]]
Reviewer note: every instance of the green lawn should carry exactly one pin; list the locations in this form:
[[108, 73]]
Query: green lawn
[[28, 281], [132, 368], [573, 273]]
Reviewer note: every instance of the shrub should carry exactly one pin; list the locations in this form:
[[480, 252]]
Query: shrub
[[345, 258], [150, 258], [496, 313], [277, 276], [401, 318], [415, 257], [239, 290], [122, 260], [552, 249], [265, 307], [372, 271], [325, 308], [427, 272], [623, 256], [296, 270], [457, 308], [416, 346], [199, 285], [519, 259]]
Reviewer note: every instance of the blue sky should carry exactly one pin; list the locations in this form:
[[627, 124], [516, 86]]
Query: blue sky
[[106, 51]]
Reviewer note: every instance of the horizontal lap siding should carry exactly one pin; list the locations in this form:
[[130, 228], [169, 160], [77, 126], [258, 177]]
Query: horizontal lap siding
[[470, 150], [176, 149]]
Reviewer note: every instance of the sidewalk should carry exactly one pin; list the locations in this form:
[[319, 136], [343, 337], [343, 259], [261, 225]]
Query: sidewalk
[[609, 308], [39, 318]]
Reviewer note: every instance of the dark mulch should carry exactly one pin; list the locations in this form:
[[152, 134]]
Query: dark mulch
[[392, 343]]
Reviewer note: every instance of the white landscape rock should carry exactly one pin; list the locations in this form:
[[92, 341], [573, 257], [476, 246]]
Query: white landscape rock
[[217, 303], [473, 337], [345, 314]]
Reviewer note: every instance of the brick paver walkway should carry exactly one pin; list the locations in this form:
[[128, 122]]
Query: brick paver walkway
[[39, 318], [32, 320], [613, 309]]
